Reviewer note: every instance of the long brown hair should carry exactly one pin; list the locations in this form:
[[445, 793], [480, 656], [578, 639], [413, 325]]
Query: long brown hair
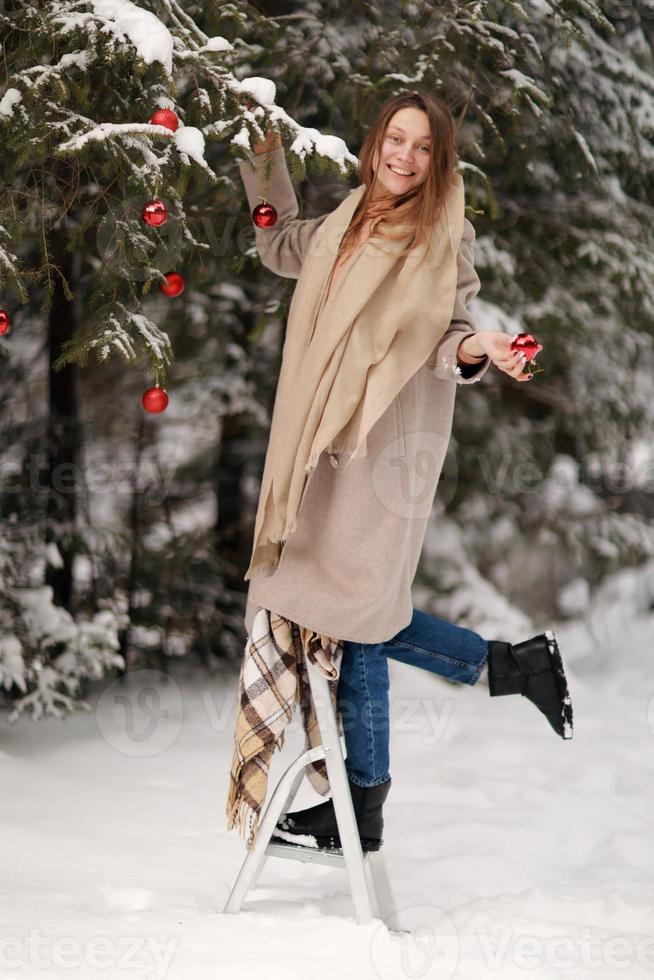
[[419, 208]]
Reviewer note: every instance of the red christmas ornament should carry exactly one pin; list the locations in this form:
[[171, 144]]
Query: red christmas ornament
[[155, 213], [264, 215], [527, 344], [5, 323], [165, 117], [155, 400], [174, 285]]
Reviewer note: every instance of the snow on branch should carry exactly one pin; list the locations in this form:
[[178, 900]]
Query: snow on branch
[[128, 24], [106, 131], [40, 75], [526, 85], [11, 98], [123, 332], [148, 34], [307, 139]]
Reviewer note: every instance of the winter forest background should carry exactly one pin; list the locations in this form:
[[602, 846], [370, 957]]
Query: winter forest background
[[124, 536]]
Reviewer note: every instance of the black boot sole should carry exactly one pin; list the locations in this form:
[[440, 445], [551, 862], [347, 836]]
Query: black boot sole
[[561, 683], [542, 665]]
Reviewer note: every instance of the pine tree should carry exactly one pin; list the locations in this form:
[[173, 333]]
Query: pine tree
[[553, 108], [82, 154], [568, 259]]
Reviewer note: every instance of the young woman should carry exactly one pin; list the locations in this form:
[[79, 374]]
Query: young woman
[[378, 338]]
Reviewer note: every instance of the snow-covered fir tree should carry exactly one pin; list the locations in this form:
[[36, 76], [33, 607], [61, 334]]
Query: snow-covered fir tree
[[554, 106]]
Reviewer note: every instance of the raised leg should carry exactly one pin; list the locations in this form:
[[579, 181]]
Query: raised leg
[[440, 647]]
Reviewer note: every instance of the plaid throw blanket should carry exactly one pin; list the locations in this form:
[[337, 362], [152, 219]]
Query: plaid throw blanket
[[273, 681]]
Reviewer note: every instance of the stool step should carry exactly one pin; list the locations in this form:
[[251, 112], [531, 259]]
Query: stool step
[[309, 855], [314, 842]]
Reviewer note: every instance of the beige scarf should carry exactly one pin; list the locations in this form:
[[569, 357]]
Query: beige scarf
[[343, 365]]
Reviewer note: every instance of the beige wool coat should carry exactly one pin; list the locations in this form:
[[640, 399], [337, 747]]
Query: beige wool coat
[[348, 569]]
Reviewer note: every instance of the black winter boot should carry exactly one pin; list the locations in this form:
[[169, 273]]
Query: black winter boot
[[318, 823], [534, 669]]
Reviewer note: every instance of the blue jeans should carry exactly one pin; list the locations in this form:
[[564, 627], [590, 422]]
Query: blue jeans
[[363, 687]]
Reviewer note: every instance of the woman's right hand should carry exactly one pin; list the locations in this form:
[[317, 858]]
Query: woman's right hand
[[272, 141]]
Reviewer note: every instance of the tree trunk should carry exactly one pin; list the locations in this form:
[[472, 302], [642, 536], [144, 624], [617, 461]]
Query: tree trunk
[[232, 536], [135, 532], [64, 435]]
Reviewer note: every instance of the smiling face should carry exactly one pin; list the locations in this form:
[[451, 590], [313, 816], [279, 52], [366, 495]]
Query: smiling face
[[405, 153]]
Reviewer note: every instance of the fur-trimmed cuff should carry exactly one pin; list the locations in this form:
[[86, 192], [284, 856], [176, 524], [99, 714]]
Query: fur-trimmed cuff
[[444, 362]]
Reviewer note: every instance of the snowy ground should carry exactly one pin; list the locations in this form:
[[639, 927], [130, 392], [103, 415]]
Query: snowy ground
[[513, 853]]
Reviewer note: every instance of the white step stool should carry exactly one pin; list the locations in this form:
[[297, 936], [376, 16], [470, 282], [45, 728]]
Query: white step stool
[[366, 870]]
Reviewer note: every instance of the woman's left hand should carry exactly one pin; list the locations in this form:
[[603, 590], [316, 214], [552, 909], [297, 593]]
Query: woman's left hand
[[497, 345]]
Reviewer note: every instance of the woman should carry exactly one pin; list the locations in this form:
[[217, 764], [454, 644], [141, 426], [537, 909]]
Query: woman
[[378, 338]]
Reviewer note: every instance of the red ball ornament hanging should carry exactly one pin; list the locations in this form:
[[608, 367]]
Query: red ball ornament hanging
[[5, 323], [155, 400], [264, 215], [165, 117], [174, 284], [155, 213]]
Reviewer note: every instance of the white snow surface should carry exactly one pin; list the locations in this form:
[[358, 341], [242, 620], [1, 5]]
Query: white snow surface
[[11, 98], [148, 34], [263, 90], [511, 852], [190, 140], [217, 44]]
